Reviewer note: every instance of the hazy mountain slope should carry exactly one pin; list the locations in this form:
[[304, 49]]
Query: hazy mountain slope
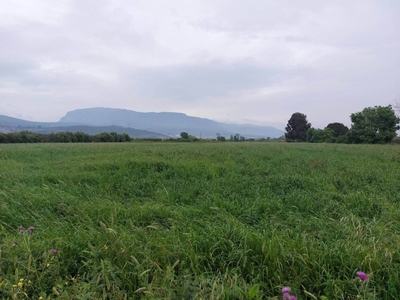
[[249, 130], [133, 133], [14, 122], [166, 123]]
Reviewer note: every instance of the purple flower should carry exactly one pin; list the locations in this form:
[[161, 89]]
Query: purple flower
[[53, 250], [292, 297], [31, 229], [362, 275], [286, 289], [286, 296], [20, 231]]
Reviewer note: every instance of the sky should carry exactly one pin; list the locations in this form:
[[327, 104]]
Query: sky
[[254, 61]]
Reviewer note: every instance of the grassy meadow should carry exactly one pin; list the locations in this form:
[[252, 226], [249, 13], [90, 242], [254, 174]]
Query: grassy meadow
[[199, 221]]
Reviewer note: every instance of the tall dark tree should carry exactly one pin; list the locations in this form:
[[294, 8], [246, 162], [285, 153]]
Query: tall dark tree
[[184, 135], [373, 125], [338, 129], [297, 127]]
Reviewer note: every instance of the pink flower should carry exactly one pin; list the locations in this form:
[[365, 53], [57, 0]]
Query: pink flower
[[292, 297], [286, 289], [31, 229], [53, 250], [286, 296], [362, 275], [20, 229]]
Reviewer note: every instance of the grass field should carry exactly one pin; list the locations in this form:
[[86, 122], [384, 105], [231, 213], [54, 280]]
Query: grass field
[[199, 221]]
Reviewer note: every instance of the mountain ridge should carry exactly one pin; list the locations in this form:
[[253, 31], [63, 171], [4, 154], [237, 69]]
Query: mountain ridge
[[168, 123], [161, 124]]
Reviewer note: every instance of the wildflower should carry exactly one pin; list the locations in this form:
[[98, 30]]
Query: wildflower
[[14, 245], [52, 250], [286, 290], [20, 229], [48, 265], [105, 247], [362, 275], [122, 250], [14, 286], [21, 279], [31, 229], [40, 298], [286, 296], [20, 284]]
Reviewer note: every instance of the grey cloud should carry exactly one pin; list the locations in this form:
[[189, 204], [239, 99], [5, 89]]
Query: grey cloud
[[190, 83], [228, 60]]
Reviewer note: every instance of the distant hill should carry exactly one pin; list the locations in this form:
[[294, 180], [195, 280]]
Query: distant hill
[[167, 123], [92, 130], [249, 130], [6, 121], [9, 124], [138, 124]]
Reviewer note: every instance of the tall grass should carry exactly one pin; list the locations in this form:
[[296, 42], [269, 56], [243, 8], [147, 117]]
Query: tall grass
[[199, 221]]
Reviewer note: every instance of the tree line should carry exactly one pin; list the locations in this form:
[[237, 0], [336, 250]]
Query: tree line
[[373, 125], [62, 137]]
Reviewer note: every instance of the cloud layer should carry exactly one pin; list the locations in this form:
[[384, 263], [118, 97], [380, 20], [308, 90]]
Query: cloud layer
[[255, 61]]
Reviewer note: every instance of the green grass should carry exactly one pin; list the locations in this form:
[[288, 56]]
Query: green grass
[[199, 220]]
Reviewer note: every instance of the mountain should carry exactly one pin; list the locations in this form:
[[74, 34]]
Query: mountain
[[6, 121], [138, 124], [92, 130], [249, 130], [167, 123], [9, 124]]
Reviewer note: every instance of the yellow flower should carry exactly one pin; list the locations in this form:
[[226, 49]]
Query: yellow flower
[[14, 286], [386, 249], [105, 247], [20, 284], [393, 252], [40, 298], [48, 265], [122, 250], [21, 280]]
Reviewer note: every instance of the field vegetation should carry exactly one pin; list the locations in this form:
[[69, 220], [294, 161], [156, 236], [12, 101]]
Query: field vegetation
[[199, 221]]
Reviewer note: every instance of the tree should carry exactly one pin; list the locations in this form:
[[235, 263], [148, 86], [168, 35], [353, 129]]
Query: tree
[[320, 135], [220, 138], [338, 129], [374, 125], [184, 135], [297, 127]]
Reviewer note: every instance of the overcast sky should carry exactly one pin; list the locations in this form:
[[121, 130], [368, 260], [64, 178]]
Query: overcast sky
[[254, 61]]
